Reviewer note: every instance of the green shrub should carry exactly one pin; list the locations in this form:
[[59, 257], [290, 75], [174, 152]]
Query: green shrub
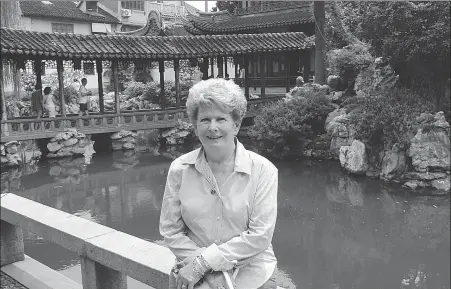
[[382, 120], [348, 61], [283, 128]]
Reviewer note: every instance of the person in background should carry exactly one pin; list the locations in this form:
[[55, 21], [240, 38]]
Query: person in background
[[37, 101], [219, 207], [84, 94], [297, 90], [49, 104], [75, 85]]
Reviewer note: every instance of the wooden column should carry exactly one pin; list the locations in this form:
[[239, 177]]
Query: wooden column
[[20, 63], [253, 60], [177, 83], [212, 62], [246, 76], [225, 67], [320, 45], [37, 69], [306, 60], [287, 65], [161, 69], [60, 69], [100, 84], [263, 65], [2, 94], [220, 67], [205, 68], [114, 69]]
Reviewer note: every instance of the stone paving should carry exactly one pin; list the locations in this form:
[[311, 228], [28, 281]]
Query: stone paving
[[9, 283]]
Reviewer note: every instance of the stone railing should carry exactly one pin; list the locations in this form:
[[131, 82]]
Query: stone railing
[[107, 256], [31, 128]]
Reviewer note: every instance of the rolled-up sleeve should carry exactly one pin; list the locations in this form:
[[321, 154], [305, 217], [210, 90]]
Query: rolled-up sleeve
[[258, 237], [172, 226]]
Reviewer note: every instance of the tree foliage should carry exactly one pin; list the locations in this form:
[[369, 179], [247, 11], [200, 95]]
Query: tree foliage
[[225, 5], [283, 128], [413, 36]]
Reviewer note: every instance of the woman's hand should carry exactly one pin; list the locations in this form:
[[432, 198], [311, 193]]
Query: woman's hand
[[187, 277], [190, 258], [216, 280]]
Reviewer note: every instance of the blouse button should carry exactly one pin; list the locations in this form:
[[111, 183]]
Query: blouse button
[[213, 192]]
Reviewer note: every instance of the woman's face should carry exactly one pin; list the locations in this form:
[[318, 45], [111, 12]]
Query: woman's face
[[215, 128]]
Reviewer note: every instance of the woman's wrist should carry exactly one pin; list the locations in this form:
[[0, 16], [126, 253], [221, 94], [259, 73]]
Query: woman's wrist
[[203, 265]]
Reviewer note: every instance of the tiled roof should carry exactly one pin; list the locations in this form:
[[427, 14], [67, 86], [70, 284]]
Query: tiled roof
[[63, 10], [229, 23], [67, 46]]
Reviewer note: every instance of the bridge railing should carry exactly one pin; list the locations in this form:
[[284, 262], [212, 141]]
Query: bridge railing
[[33, 128], [107, 256]]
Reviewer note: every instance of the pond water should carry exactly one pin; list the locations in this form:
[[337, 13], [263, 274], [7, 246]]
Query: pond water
[[334, 231]]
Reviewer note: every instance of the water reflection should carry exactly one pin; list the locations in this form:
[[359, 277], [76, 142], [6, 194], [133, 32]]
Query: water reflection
[[333, 230]]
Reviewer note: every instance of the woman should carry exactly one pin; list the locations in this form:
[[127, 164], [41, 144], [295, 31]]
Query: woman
[[220, 202], [37, 101], [48, 102]]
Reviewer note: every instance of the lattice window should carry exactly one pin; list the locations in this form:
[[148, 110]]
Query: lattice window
[[62, 27], [133, 5]]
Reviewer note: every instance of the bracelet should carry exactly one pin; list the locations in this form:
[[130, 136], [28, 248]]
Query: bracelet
[[204, 263], [196, 270]]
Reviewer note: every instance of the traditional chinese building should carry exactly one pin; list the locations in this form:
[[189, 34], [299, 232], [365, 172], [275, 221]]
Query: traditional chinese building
[[254, 17]]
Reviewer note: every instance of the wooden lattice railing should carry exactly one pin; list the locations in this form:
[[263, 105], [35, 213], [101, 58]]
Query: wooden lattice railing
[[32, 128]]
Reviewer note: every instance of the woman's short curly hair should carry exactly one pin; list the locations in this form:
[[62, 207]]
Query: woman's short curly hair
[[217, 92]]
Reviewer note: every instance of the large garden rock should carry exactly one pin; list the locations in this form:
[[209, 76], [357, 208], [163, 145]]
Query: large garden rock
[[177, 135], [430, 147], [124, 140], [342, 133], [333, 81], [17, 153], [394, 163], [70, 143], [353, 158], [377, 77]]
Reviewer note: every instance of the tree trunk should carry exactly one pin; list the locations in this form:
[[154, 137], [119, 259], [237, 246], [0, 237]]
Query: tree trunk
[[320, 70]]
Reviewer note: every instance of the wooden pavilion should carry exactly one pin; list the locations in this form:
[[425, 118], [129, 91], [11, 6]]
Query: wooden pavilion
[[255, 17], [20, 46]]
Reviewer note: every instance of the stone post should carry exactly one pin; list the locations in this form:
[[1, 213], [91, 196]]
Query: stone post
[[96, 276], [11, 243]]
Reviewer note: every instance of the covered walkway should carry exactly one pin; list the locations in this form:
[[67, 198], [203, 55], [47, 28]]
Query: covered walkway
[[18, 46]]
